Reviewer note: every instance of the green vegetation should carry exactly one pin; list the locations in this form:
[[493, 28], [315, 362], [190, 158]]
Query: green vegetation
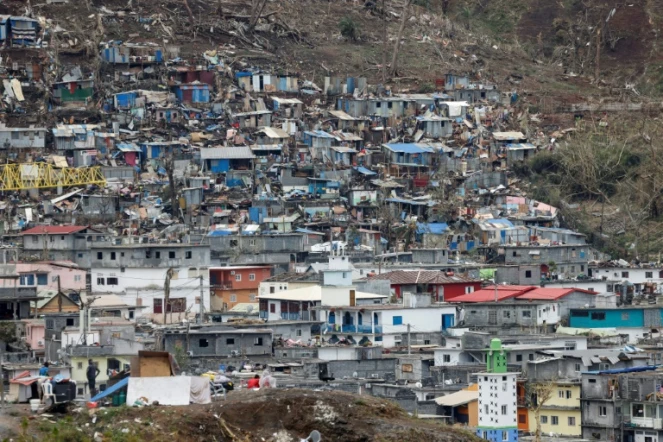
[[349, 29]]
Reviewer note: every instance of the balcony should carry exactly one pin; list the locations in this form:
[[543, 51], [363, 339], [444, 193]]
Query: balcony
[[351, 328], [290, 316], [647, 422]]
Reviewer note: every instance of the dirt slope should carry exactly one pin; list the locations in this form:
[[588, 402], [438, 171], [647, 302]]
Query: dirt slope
[[267, 415]]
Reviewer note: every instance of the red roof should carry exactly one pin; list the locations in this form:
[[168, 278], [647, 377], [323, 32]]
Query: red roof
[[544, 294], [53, 230], [488, 294]]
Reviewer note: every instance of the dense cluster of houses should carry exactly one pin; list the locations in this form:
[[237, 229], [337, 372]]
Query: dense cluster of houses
[[337, 232]]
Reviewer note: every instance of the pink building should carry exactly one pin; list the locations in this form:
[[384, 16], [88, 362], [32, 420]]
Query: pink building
[[35, 332], [45, 276]]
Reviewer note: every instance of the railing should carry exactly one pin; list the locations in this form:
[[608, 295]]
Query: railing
[[347, 328], [364, 329], [647, 422], [290, 316]]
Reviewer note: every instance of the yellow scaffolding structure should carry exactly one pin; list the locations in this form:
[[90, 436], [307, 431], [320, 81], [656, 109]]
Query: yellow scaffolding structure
[[44, 175]]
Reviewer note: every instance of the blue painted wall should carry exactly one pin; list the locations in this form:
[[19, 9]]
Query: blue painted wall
[[598, 318], [496, 435]]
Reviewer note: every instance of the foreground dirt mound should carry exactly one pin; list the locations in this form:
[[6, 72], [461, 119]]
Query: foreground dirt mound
[[270, 415]]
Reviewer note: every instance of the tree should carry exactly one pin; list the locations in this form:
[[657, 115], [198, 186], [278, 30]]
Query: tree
[[397, 44], [538, 393], [169, 165]]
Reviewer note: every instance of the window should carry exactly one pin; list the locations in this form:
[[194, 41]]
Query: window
[[625, 316], [177, 305], [79, 365], [35, 238], [599, 316], [187, 255], [230, 341], [100, 255], [572, 421], [504, 410], [100, 281], [580, 314], [506, 313], [272, 308], [298, 332], [469, 289], [527, 314], [554, 420], [591, 381], [171, 255], [577, 368], [603, 410], [397, 320], [560, 394], [528, 273], [272, 289], [609, 288], [50, 324], [486, 409], [252, 297], [446, 358], [158, 306], [519, 358], [522, 419], [123, 269], [257, 342], [624, 274], [238, 277], [530, 356], [113, 256], [157, 255], [544, 419], [111, 281], [252, 276], [42, 279], [233, 298], [77, 278], [569, 394], [203, 343], [505, 435], [70, 322], [148, 254]]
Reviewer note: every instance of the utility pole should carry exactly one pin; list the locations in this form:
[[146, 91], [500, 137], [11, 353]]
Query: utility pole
[[202, 302], [166, 291], [598, 55], [59, 296], [408, 339]]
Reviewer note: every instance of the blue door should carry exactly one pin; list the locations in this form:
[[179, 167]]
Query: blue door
[[448, 321]]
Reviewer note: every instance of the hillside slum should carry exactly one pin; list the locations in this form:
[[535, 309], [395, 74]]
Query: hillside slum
[[329, 232]]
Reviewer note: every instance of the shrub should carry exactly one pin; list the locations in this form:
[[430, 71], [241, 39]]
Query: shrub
[[348, 28]]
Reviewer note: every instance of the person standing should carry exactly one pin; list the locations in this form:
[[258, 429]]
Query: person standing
[[43, 371], [92, 373]]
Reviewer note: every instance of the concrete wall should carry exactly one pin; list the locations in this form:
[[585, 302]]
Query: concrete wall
[[220, 344], [519, 275], [371, 368], [148, 256]]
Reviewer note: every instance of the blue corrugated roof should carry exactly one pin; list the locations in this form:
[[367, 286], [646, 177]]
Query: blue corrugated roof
[[364, 171], [434, 228], [318, 133], [220, 233], [408, 148]]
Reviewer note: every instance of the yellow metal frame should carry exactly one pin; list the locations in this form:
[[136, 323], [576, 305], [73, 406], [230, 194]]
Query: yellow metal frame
[[44, 175]]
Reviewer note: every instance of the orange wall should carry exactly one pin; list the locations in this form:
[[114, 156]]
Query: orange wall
[[223, 277], [523, 422], [223, 296], [473, 408]]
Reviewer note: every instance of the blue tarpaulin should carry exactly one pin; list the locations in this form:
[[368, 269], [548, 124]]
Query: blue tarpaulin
[[115, 388], [365, 171]]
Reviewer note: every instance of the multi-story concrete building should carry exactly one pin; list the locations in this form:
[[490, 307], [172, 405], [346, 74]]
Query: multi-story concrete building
[[234, 285], [498, 404], [137, 273]]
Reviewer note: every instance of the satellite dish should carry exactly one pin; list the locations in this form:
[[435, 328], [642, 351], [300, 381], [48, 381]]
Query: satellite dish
[[249, 309]]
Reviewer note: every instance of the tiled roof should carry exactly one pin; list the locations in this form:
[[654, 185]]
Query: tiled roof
[[421, 277], [53, 230], [552, 293]]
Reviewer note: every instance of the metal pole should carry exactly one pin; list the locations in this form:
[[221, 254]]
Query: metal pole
[[202, 302], [408, 339], [2, 379]]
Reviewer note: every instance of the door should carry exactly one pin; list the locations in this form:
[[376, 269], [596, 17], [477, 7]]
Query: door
[[448, 321]]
